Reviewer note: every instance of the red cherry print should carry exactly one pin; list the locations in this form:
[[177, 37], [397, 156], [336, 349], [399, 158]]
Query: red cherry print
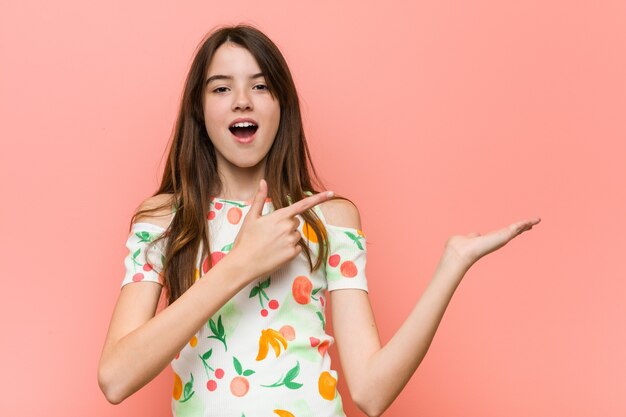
[[216, 257], [322, 301], [264, 312], [211, 385], [211, 215], [273, 304], [314, 341], [147, 267], [348, 269], [178, 355], [334, 260], [219, 373], [219, 205], [138, 277], [234, 215], [205, 265]]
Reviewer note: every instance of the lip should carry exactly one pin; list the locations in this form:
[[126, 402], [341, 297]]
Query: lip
[[249, 139], [244, 141]]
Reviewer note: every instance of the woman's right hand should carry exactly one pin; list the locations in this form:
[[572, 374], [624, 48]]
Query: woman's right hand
[[264, 243]]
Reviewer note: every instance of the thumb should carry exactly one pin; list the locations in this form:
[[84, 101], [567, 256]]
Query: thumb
[[256, 208]]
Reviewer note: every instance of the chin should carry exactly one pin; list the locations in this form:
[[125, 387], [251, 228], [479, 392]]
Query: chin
[[246, 164]]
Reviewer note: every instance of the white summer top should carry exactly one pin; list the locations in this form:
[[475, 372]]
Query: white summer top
[[264, 353]]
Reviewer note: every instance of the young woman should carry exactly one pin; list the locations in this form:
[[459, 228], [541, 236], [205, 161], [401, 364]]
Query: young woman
[[247, 250]]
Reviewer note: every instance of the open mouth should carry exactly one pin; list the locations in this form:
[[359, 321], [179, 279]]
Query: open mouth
[[243, 130]]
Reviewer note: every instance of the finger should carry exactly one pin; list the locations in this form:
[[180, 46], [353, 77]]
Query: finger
[[509, 232], [256, 208], [303, 205], [296, 237], [522, 226]]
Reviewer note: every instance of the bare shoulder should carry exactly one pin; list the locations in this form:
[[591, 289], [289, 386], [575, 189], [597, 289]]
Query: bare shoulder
[[161, 206], [341, 212]]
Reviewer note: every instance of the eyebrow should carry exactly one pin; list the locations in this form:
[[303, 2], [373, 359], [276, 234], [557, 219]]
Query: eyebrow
[[230, 77]]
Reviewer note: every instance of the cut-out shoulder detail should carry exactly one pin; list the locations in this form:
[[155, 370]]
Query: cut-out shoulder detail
[[162, 217], [341, 213]]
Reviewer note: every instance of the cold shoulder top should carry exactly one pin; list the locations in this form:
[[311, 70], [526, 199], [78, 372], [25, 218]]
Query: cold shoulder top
[[265, 352]]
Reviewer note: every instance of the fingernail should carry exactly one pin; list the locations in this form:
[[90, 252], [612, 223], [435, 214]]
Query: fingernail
[[329, 194]]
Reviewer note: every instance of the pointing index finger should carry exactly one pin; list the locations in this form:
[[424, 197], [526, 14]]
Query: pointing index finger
[[303, 205]]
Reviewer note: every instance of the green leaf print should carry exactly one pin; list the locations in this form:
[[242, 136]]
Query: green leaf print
[[288, 380], [321, 317], [234, 203], [292, 385], [237, 366], [259, 290], [212, 326], [356, 239], [227, 247], [207, 354], [204, 358], [218, 331], [293, 373], [188, 390], [143, 236], [315, 291], [135, 255]]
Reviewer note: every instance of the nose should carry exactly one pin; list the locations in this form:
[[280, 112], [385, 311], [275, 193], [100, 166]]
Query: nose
[[242, 101]]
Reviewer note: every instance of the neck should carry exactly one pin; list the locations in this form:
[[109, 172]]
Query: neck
[[240, 183]]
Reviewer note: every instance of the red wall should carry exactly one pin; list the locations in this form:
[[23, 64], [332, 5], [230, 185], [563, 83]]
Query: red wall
[[436, 118]]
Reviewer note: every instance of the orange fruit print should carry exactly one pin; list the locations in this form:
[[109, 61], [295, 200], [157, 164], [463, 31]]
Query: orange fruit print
[[284, 413], [309, 233], [288, 332], [178, 387], [348, 269], [239, 386], [327, 386], [301, 289], [234, 215]]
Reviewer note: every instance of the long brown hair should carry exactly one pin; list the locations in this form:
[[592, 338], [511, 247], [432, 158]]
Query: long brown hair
[[191, 176]]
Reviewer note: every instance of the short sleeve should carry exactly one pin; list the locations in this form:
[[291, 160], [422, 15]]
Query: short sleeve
[[345, 264], [142, 264]]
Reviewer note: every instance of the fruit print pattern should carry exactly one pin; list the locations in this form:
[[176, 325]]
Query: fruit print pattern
[[265, 352], [259, 291], [141, 264], [346, 256]]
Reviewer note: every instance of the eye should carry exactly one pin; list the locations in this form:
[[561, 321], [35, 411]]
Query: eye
[[263, 86], [219, 89]]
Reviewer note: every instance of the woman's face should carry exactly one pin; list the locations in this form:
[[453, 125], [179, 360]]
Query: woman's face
[[235, 89]]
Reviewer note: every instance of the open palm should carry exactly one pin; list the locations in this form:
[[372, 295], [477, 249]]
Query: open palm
[[471, 247]]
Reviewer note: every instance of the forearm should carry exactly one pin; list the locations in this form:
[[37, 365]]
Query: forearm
[[389, 369], [134, 360]]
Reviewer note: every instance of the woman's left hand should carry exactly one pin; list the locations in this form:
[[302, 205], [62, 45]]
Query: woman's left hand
[[467, 249]]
